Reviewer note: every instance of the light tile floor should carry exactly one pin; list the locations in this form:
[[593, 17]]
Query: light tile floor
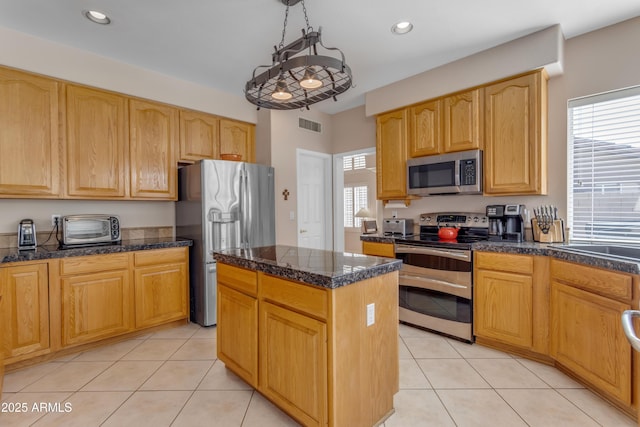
[[172, 378]]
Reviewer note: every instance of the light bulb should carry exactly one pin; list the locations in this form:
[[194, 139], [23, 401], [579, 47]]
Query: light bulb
[[310, 79], [282, 91]]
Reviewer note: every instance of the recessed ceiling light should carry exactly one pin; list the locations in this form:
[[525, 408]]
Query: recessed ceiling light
[[402, 27], [97, 17]]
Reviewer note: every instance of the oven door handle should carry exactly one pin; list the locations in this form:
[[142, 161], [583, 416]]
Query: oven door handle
[[404, 249], [426, 279]]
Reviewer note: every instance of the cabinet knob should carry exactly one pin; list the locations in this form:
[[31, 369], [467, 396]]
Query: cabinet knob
[[302, 231]]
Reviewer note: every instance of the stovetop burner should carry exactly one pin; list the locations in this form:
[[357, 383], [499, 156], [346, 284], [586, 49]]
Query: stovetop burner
[[472, 227]]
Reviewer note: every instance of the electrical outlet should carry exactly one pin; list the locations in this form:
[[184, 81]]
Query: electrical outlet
[[55, 218], [371, 314]]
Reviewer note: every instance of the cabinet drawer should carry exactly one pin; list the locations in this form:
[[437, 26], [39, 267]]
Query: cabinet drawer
[[94, 263], [378, 249], [504, 262], [238, 278], [297, 296], [605, 282], [160, 256]]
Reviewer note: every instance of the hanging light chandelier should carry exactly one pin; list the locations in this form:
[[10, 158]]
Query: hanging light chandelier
[[298, 76]]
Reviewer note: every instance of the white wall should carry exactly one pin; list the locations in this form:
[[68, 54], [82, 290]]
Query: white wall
[[286, 138], [541, 49], [37, 55]]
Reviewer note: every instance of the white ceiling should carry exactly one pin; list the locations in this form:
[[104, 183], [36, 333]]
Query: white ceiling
[[218, 43]]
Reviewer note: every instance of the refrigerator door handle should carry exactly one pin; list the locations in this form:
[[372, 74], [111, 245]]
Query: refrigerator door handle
[[244, 238], [627, 326]]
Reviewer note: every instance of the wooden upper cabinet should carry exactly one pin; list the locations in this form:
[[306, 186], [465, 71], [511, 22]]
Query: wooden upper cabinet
[[199, 136], [237, 138], [515, 156], [97, 142], [425, 130], [391, 154], [29, 139], [153, 134], [463, 120]]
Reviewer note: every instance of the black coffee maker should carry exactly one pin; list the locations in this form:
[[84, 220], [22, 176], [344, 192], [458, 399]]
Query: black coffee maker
[[495, 213], [514, 223]]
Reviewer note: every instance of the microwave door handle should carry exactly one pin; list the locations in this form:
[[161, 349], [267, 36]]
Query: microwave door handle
[[457, 173]]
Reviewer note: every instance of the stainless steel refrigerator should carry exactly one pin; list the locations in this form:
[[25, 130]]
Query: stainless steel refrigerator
[[221, 204]]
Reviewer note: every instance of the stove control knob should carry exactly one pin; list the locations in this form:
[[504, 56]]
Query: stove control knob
[[475, 219], [426, 218]]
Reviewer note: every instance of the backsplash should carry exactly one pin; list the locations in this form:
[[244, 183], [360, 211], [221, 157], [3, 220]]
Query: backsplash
[[10, 240]]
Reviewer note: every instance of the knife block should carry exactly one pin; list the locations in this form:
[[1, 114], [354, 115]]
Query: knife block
[[554, 235]]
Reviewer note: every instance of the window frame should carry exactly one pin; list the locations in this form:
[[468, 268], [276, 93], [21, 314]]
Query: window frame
[[612, 146]]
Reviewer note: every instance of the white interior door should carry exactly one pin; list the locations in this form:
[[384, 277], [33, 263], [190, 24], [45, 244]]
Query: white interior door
[[314, 199]]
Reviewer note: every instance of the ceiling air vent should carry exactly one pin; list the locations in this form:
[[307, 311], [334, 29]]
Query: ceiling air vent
[[309, 125]]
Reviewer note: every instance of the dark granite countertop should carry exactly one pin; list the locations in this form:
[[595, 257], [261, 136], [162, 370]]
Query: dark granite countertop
[[543, 249], [49, 252], [326, 269], [377, 238]]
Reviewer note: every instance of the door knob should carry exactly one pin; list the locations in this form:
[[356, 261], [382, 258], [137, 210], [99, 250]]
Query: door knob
[[302, 231]]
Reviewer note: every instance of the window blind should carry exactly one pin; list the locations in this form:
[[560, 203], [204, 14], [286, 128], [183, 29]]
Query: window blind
[[354, 162], [604, 167], [355, 198]]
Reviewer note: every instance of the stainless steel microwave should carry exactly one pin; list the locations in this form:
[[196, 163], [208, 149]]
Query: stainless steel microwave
[[89, 230], [451, 173]]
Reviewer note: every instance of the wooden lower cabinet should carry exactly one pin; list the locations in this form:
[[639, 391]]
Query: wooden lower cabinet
[[299, 343], [511, 298], [25, 310], [96, 305], [378, 249], [1, 349], [586, 336], [161, 286], [317, 359], [504, 308], [237, 342]]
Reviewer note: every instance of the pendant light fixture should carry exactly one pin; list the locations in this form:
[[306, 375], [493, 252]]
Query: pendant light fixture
[[298, 76]]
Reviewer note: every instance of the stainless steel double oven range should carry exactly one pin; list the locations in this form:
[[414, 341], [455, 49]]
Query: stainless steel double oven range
[[436, 278]]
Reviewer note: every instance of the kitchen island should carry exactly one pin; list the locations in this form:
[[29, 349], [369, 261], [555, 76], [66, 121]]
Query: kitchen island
[[316, 332]]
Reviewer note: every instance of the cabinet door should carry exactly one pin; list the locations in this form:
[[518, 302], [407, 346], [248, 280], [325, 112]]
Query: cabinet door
[[160, 294], [95, 306], [587, 338], [153, 137], [391, 155], [425, 132], [198, 136], [25, 309], [97, 142], [516, 136], [29, 140], [503, 308], [237, 138], [463, 121], [237, 333], [299, 343]]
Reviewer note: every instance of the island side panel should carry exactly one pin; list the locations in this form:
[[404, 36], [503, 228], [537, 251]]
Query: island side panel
[[363, 360]]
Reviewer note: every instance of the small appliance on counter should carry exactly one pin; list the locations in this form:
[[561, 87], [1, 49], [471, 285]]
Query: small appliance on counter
[[397, 227], [26, 235], [514, 223], [89, 230], [495, 213], [546, 226]]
